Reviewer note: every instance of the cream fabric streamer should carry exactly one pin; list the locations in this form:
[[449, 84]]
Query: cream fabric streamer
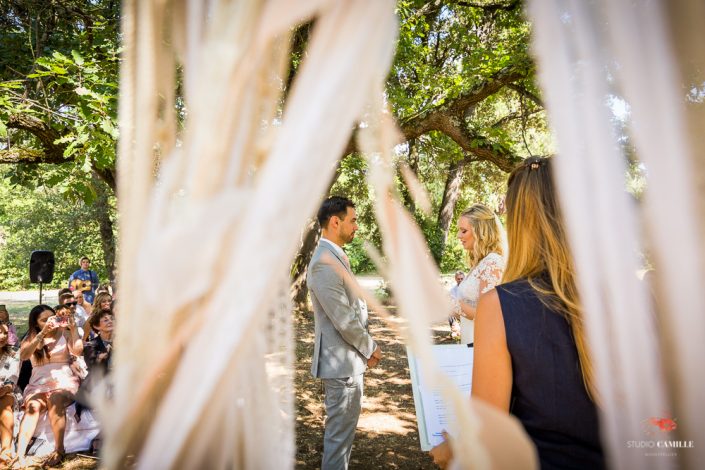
[[208, 214], [588, 51], [483, 437], [618, 320], [657, 96], [209, 374]]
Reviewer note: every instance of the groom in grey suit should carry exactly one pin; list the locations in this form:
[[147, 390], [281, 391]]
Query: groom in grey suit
[[344, 348]]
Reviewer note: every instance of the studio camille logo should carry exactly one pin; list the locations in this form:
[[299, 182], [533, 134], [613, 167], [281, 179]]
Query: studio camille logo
[[656, 425], [661, 442]]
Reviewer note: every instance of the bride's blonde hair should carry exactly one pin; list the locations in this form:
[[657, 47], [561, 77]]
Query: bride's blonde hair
[[488, 231]]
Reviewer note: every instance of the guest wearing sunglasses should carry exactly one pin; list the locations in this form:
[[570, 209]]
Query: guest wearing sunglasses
[[69, 301]]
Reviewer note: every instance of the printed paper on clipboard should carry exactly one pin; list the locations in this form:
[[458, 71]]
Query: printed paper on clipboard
[[432, 414]]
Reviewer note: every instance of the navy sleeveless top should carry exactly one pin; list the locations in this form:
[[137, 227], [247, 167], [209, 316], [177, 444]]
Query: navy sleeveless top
[[548, 395]]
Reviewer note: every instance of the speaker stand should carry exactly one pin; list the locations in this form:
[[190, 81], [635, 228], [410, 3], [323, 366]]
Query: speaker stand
[[40, 293]]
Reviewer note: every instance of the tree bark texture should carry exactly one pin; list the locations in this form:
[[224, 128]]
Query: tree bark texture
[[451, 193], [107, 236], [413, 161], [299, 268], [50, 151], [309, 240]]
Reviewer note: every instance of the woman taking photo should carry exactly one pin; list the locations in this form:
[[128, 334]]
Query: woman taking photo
[[481, 234], [51, 339], [531, 356]]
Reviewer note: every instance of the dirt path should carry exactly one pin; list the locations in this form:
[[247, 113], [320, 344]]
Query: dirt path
[[387, 436]]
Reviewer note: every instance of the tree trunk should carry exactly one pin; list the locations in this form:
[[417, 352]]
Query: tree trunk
[[309, 240], [451, 193], [107, 236], [299, 268], [413, 161]]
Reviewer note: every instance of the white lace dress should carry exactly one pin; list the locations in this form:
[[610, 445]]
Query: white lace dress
[[483, 277]]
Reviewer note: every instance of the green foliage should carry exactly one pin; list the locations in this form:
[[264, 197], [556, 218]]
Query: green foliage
[[42, 219], [60, 66], [359, 261], [88, 89], [59, 63], [352, 183], [446, 48]]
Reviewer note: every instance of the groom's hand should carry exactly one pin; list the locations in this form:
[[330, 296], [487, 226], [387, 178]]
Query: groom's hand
[[375, 358]]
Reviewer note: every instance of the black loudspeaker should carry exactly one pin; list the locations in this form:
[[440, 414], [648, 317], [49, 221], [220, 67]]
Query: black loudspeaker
[[41, 266]]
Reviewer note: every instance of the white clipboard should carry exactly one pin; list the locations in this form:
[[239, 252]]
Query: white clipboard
[[431, 410]]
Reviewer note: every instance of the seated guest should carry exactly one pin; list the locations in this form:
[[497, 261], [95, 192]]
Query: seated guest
[[11, 330], [459, 277], [90, 333], [9, 371], [106, 288], [97, 352], [69, 300], [51, 339], [102, 301], [531, 354], [454, 319], [83, 308]]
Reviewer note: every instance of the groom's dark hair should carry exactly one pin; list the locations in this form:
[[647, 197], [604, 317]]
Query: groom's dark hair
[[334, 205]]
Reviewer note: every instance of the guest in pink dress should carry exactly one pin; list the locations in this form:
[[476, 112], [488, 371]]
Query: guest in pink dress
[[51, 339]]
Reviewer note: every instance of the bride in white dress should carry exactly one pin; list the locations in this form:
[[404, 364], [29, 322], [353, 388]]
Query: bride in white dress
[[481, 234]]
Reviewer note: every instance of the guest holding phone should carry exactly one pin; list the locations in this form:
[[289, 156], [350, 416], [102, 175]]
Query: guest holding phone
[[51, 339]]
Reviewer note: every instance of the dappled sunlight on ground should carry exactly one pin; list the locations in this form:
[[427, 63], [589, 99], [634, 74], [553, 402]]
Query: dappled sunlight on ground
[[385, 423]]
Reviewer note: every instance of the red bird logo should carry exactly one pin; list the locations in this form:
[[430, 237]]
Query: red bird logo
[[662, 424]]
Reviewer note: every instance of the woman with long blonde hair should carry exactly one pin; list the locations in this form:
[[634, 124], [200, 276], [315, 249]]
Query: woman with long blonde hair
[[481, 234], [531, 357]]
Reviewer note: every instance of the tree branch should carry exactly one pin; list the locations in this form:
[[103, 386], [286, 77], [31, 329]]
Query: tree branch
[[448, 119], [53, 153], [22, 155], [515, 115], [504, 160], [523, 91], [108, 176], [491, 7], [465, 101], [50, 151]]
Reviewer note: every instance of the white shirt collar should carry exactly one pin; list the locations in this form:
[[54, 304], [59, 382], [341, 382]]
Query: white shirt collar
[[337, 249]]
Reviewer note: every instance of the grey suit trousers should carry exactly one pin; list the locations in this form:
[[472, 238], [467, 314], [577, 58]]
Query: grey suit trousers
[[343, 398]]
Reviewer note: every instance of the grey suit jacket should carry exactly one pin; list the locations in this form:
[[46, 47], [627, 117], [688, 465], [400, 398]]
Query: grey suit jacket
[[343, 343]]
